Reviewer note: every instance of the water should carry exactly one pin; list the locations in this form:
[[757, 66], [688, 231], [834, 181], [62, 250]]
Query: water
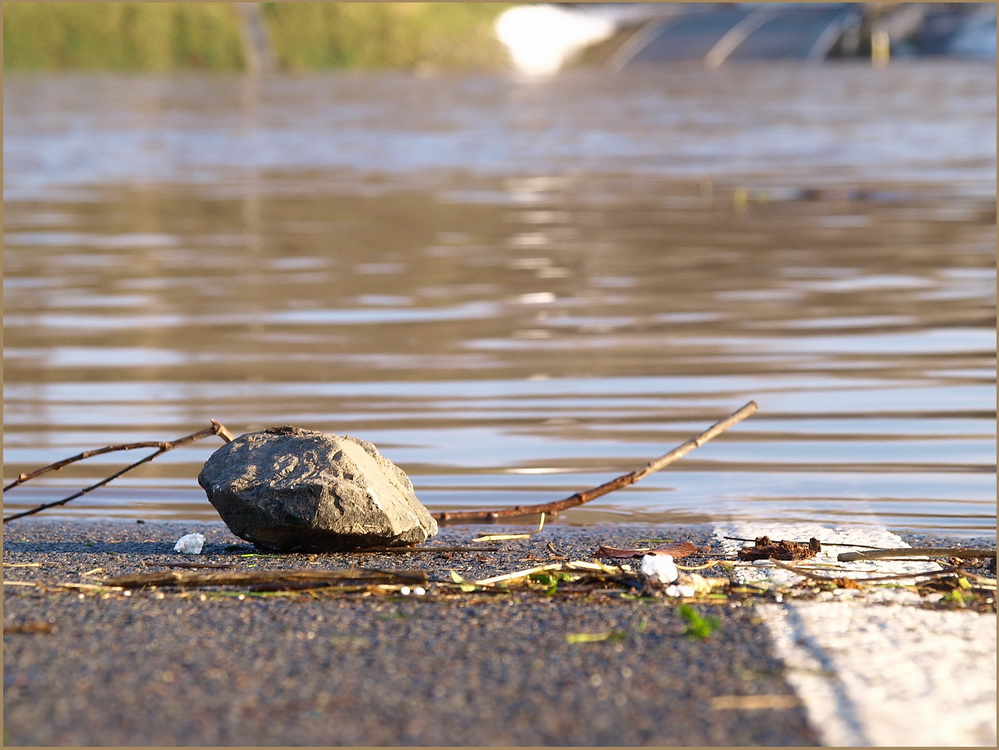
[[516, 288]]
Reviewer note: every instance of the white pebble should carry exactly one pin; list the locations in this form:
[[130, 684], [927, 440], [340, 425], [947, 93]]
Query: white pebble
[[682, 590], [659, 568], [190, 544]]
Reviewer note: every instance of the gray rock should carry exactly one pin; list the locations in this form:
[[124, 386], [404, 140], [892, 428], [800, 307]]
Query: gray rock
[[299, 490]]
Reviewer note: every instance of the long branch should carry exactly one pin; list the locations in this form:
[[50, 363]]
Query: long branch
[[217, 428], [473, 516]]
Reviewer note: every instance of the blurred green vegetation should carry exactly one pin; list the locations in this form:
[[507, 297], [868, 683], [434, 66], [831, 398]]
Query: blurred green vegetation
[[308, 36], [304, 36], [121, 36]]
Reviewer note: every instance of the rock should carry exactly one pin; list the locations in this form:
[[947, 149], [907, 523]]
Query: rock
[[299, 490]]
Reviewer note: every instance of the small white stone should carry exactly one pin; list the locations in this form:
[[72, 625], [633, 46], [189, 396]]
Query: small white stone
[[190, 544], [419, 591], [659, 568]]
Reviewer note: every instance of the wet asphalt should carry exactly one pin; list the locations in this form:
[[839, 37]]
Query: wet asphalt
[[193, 668]]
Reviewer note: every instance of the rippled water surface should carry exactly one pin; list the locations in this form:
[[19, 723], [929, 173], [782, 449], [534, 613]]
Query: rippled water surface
[[517, 289]]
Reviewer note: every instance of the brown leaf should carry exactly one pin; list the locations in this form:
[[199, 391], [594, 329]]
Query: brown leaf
[[677, 549]]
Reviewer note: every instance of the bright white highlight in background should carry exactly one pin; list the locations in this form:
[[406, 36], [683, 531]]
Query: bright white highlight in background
[[542, 37]]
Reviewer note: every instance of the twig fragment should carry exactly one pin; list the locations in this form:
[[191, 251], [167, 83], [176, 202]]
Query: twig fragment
[[509, 537], [517, 574]]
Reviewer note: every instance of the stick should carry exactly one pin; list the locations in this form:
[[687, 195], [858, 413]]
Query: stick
[[162, 447], [894, 577], [183, 578], [417, 550], [824, 544], [916, 552], [472, 516]]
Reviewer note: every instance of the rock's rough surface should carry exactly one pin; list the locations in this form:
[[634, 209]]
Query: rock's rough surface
[[299, 490]]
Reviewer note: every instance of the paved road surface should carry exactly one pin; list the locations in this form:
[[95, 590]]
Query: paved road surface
[[165, 669]]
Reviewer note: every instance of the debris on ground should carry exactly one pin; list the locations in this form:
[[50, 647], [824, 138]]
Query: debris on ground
[[441, 573], [676, 549], [765, 549], [190, 544]]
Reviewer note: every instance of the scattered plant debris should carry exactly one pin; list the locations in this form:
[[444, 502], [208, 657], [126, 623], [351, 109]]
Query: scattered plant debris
[[610, 635], [754, 702], [765, 549], [949, 586], [34, 627], [698, 626]]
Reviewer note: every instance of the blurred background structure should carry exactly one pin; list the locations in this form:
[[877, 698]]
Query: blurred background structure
[[542, 38], [535, 38]]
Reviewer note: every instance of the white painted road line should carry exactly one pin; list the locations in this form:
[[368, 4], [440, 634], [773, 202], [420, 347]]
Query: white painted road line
[[880, 674], [889, 676]]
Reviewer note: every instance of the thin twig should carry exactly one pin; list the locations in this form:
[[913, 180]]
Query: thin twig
[[898, 576], [472, 516], [517, 574], [416, 550], [162, 447], [824, 544], [906, 552], [244, 578], [509, 537]]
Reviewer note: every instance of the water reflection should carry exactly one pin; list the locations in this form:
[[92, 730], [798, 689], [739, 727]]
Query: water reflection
[[504, 335]]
